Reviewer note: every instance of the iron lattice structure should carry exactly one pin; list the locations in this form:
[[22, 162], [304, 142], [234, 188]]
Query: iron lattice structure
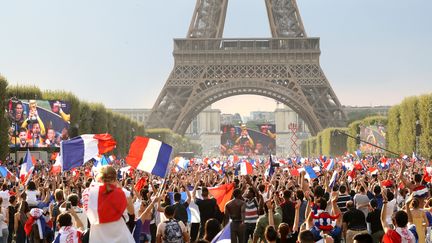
[[208, 68]]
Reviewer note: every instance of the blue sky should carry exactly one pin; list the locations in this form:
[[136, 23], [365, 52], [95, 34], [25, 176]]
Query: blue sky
[[119, 52]]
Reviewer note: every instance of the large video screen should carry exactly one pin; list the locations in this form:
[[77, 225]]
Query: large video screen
[[240, 140], [38, 123], [375, 134]]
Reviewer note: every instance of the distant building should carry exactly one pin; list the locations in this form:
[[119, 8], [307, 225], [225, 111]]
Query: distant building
[[265, 116], [231, 119], [138, 115], [205, 130]]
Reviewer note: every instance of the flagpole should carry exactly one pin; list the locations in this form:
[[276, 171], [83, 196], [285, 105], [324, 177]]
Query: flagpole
[[167, 174]]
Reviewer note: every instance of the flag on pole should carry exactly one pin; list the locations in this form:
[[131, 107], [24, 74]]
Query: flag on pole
[[310, 172], [333, 179], [6, 173], [26, 168], [224, 236], [149, 155], [57, 166], [78, 150], [222, 194], [246, 168], [271, 168], [329, 165]]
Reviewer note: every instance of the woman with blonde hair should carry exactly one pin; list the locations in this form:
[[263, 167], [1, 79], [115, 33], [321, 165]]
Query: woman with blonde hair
[[105, 203]]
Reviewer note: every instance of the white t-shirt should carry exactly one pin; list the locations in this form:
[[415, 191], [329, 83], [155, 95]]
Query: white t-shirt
[[32, 197], [5, 196], [389, 210]]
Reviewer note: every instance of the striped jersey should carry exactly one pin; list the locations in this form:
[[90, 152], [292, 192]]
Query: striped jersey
[[251, 215]]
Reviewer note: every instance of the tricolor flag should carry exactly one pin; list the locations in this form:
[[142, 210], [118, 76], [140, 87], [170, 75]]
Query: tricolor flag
[[351, 175], [246, 168], [329, 165], [222, 194], [333, 179], [420, 192], [78, 150], [57, 166], [149, 155], [271, 168], [224, 236], [384, 164], [26, 168], [181, 162], [6, 173], [373, 171], [427, 174], [310, 172]]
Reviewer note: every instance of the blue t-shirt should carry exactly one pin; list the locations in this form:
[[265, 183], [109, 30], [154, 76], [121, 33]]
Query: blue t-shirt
[[137, 231]]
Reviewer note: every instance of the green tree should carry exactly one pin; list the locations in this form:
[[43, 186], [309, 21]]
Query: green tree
[[408, 118], [393, 127], [4, 123], [425, 117]]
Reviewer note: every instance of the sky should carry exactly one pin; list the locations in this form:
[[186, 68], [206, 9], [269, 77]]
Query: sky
[[120, 52]]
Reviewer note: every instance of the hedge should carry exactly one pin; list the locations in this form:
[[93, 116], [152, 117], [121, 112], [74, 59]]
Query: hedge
[[4, 123], [393, 127], [327, 142]]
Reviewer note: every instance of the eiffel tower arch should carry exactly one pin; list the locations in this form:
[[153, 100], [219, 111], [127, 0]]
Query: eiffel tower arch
[[208, 68]]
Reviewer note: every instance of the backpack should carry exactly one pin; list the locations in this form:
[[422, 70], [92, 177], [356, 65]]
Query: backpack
[[173, 232]]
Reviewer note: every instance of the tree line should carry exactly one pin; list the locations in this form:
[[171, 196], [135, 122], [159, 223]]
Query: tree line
[[405, 122], [86, 118]]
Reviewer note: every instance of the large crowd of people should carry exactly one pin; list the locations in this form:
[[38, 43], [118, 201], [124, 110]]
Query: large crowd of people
[[355, 200]]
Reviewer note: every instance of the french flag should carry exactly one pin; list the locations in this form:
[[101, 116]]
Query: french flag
[[78, 150], [149, 155], [329, 165], [333, 179], [57, 166], [310, 172], [26, 168], [224, 236], [427, 174], [420, 192], [6, 173], [384, 164], [246, 168], [373, 171]]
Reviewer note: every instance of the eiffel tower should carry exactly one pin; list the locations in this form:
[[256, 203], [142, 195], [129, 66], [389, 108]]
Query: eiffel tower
[[208, 68]]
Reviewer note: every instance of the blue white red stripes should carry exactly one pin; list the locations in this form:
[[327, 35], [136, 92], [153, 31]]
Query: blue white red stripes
[[149, 155], [246, 168], [78, 150]]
